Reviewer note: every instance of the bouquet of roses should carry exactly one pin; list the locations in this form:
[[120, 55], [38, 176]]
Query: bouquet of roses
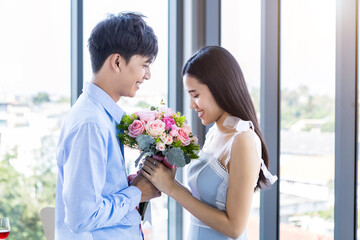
[[162, 134]]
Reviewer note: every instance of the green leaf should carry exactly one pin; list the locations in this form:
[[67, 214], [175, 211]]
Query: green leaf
[[125, 122], [176, 157], [179, 120], [177, 143]]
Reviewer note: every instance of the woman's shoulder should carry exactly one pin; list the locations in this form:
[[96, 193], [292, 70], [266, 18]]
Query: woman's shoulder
[[244, 153], [244, 138], [245, 142]]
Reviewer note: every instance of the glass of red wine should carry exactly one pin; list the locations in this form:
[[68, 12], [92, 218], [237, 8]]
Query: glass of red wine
[[4, 228]]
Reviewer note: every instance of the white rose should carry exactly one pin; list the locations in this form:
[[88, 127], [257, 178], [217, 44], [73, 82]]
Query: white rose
[[160, 146]]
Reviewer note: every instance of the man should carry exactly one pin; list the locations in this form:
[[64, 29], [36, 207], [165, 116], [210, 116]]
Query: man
[[93, 197]]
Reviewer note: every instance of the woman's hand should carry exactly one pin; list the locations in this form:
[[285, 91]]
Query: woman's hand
[[159, 175]]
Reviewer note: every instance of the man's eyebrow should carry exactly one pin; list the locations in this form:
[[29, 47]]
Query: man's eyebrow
[[191, 91], [149, 60]]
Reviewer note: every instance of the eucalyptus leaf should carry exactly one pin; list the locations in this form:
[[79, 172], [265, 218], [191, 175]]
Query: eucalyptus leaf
[[144, 153], [139, 158], [151, 152], [176, 157], [144, 142]]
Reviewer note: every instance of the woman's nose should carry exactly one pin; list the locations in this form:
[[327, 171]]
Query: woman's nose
[[192, 104]]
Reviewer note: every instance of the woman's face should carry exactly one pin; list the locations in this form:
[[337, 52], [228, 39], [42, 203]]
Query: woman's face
[[202, 100]]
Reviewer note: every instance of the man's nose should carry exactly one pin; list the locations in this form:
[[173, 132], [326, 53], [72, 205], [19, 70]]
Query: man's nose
[[147, 75]]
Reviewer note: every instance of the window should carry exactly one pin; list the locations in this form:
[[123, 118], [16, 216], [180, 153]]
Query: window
[[34, 99], [240, 34], [307, 119]]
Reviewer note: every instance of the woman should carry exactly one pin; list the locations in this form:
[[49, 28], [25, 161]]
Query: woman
[[234, 159]]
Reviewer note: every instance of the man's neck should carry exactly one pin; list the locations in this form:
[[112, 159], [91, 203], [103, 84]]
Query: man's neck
[[102, 83]]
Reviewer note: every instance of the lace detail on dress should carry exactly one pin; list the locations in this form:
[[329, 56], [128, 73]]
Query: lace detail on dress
[[218, 168]]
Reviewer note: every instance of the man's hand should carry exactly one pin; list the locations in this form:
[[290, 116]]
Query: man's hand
[[147, 189]]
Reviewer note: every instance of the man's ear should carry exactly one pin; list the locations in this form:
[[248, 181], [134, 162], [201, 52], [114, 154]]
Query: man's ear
[[116, 62]]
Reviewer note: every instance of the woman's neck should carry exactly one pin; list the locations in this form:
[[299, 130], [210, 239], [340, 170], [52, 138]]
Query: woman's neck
[[220, 123]]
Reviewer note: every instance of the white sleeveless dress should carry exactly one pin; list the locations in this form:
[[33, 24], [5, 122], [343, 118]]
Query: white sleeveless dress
[[208, 179]]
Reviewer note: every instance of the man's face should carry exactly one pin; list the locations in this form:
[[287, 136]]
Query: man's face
[[133, 74]]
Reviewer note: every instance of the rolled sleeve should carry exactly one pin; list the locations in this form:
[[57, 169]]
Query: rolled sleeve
[[134, 194]]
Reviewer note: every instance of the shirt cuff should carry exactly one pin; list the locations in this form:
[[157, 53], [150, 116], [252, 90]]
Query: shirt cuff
[[134, 194]]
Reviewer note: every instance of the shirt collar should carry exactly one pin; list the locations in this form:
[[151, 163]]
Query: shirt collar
[[104, 99]]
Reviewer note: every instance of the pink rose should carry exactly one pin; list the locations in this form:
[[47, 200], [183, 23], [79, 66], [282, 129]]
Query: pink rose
[[183, 135], [173, 133], [146, 116], [136, 128], [159, 115], [187, 128], [155, 128], [168, 122], [160, 146]]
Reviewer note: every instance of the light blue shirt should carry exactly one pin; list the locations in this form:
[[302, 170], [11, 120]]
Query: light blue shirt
[[93, 198]]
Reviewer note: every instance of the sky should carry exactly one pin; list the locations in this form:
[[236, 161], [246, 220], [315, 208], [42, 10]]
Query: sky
[[33, 47], [307, 42], [35, 52]]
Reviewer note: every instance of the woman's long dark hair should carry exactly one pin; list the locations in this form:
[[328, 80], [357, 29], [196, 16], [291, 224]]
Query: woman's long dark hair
[[219, 70]]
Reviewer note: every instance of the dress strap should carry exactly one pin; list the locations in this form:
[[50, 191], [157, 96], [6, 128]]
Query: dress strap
[[240, 125], [271, 178], [237, 123]]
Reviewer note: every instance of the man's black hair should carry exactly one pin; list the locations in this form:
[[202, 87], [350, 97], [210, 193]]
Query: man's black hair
[[126, 34]]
